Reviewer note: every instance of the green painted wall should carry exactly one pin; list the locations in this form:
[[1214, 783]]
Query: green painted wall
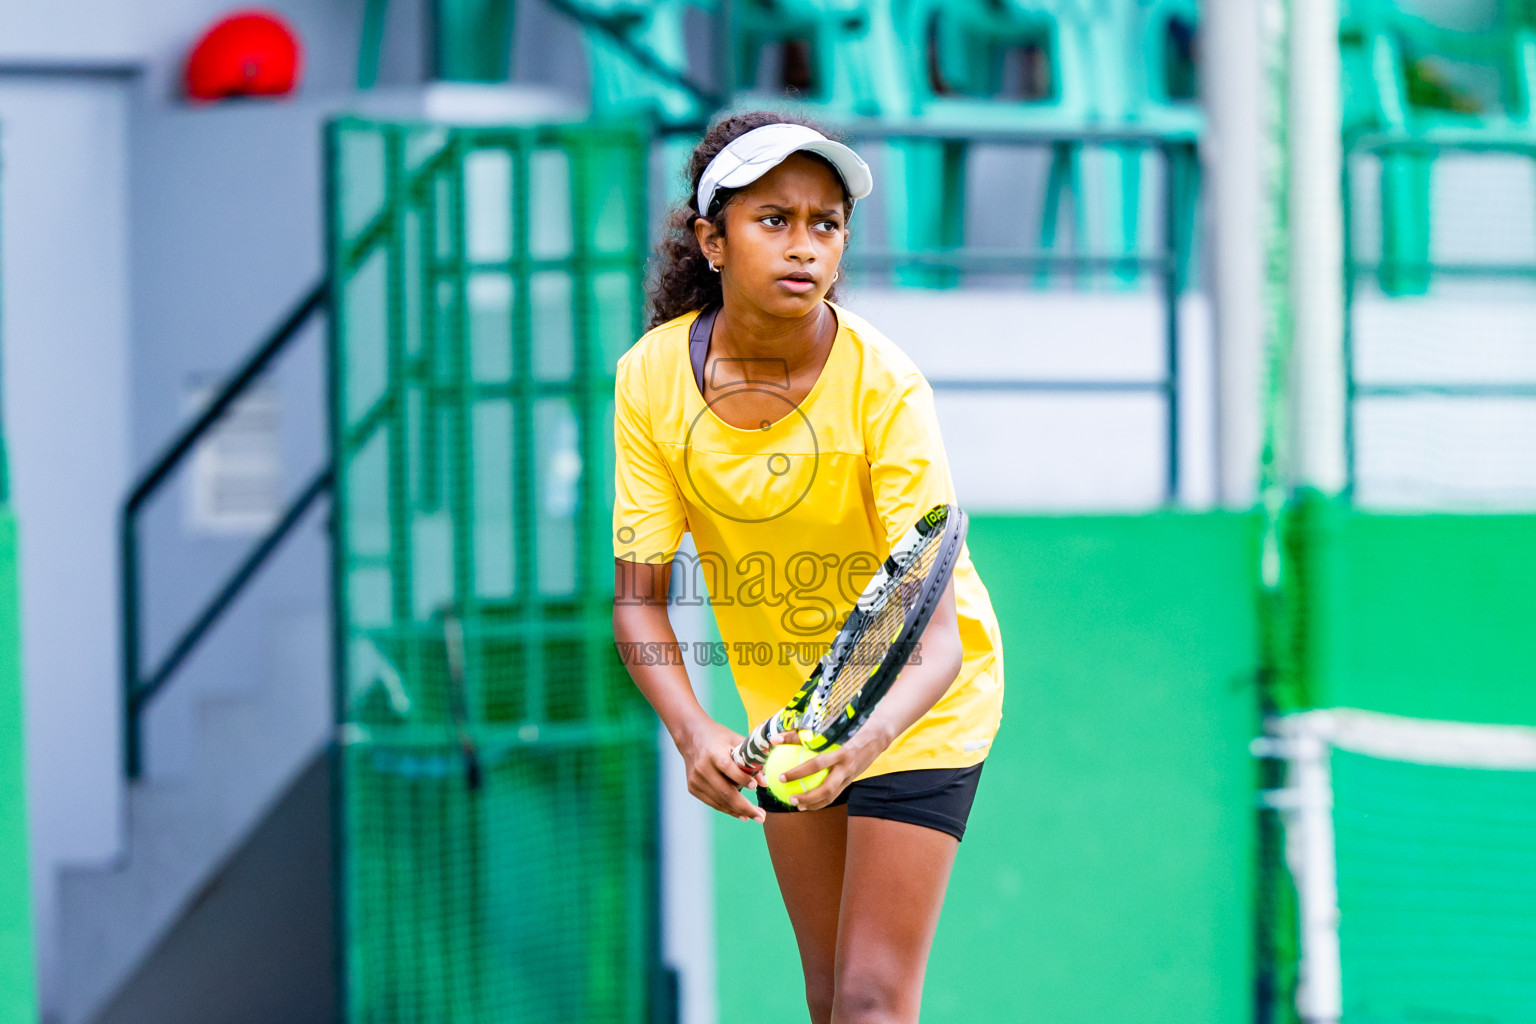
[[1106, 872], [1431, 616], [18, 999]]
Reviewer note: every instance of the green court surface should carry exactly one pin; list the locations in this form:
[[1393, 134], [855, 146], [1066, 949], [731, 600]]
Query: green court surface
[[1106, 872]]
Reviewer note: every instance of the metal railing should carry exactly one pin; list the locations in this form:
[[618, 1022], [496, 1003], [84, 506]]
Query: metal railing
[[1164, 263], [141, 687]]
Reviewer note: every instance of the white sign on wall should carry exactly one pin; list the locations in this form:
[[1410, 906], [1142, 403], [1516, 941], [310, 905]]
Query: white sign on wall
[[236, 470]]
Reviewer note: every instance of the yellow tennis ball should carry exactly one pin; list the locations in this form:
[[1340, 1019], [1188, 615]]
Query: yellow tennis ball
[[781, 759]]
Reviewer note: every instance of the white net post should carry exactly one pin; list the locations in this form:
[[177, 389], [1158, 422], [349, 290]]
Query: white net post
[[1306, 808]]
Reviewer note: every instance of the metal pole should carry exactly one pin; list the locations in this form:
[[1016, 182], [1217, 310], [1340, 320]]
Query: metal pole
[[335, 406], [1310, 853], [1317, 245], [129, 578], [1169, 153], [1231, 89]]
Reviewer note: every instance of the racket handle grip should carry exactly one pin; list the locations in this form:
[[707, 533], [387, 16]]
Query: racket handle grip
[[739, 755], [751, 753]]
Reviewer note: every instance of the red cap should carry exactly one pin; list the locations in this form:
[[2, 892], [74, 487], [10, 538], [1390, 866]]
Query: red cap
[[249, 53]]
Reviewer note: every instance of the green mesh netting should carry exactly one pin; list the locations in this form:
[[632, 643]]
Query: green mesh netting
[[499, 773], [527, 899], [1406, 589], [1442, 379], [1437, 891]]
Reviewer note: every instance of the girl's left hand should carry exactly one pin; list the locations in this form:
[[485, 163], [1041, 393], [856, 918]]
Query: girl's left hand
[[843, 765]]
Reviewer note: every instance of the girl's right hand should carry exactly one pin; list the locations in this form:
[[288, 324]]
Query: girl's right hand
[[713, 774]]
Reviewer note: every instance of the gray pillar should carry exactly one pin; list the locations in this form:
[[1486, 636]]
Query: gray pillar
[[1232, 153]]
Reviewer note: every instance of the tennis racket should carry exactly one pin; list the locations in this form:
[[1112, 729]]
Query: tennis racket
[[873, 644]]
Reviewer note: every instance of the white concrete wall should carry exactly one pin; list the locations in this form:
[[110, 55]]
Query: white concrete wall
[[75, 31], [65, 328], [75, 75], [1012, 451], [156, 34]]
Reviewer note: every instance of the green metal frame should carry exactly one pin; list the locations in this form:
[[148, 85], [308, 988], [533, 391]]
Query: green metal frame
[[18, 992], [433, 400], [444, 388], [18, 981]]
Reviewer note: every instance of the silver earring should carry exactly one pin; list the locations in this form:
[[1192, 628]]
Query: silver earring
[[836, 276], [714, 267]]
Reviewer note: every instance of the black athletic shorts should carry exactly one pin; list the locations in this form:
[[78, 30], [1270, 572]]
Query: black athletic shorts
[[932, 797]]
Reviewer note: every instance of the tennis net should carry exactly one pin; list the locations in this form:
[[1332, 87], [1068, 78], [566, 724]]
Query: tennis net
[[1412, 844]]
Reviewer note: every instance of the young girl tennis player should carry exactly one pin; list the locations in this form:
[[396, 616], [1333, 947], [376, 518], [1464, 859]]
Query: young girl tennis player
[[797, 444]]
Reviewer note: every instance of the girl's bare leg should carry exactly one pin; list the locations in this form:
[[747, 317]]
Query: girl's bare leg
[[893, 890], [807, 848]]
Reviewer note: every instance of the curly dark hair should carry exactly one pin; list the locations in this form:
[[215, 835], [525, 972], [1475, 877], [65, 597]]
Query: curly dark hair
[[680, 279]]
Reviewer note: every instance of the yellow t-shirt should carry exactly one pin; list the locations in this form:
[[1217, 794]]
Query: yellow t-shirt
[[790, 520]]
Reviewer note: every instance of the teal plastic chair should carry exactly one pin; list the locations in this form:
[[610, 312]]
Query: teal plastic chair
[[1392, 88], [1145, 81], [622, 86], [955, 74], [849, 45], [849, 48], [1162, 98], [958, 82], [1114, 64], [471, 40], [1162, 91]]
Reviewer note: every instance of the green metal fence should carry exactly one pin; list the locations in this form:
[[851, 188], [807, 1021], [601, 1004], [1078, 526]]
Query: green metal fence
[[18, 991], [17, 988], [498, 784]]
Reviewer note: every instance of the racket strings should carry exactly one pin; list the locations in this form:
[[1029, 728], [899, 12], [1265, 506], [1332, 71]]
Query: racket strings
[[868, 649]]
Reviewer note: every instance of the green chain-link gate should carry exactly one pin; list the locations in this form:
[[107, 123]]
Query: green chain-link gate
[[498, 774]]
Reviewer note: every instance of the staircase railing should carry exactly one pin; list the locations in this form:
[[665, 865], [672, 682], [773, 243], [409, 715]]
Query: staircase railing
[[140, 687]]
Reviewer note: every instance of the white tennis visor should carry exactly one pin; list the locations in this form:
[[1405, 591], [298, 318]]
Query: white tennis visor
[[753, 154]]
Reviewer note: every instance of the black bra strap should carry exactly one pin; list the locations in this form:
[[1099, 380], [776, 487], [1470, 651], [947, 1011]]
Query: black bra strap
[[698, 342]]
